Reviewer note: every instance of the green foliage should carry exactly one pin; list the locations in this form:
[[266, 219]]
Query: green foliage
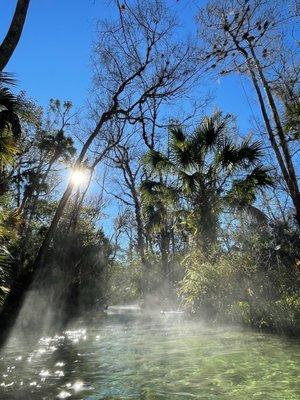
[[9, 222], [125, 280], [256, 285], [10, 129], [80, 261], [5, 273], [157, 199], [206, 171], [57, 145], [8, 148]]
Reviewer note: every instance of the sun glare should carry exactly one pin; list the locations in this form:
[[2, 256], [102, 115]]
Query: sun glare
[[78, 177]]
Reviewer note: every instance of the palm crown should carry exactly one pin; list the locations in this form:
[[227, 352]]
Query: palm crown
[[209, 169]]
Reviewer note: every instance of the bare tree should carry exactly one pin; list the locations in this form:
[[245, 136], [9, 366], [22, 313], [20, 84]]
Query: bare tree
[[137, 57], [13, 35], [244, 36], [130, 171]]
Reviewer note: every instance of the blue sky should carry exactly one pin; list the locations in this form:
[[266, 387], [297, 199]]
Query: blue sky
[[52, 59]]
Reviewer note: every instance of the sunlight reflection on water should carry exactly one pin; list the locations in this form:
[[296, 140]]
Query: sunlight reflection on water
[[131, 355]]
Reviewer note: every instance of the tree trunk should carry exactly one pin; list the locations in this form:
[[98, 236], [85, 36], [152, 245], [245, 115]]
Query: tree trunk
[[40, 186], [140, 226], [13, 35], [285, 160], [164, 249], [291, 177], [67, 194], [40, 258]]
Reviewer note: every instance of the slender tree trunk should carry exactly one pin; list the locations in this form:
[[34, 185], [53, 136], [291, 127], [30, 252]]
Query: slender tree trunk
[[268, 123], [141, 248], [79, 197], [13, 35], [164, 249], [40, 258], [140, 226], [37, 195], [130, 179], [294, 193], [19, 187], [290, 177], [285, 161]]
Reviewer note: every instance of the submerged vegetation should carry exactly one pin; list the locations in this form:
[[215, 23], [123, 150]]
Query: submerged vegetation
[[201, 213]]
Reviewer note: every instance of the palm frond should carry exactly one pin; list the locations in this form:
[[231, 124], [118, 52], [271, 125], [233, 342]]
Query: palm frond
[[157, 161], [177, 135], [59, 145], [181, 155], [211, 131], [10, 121], [189, 181], [8, 100], [153, 218], [9, 223], [244, 190], [236, 156], [7, 78], [154, 192], [249, 152], [149, 185], [228, 154], [8, 149], [261, 176]]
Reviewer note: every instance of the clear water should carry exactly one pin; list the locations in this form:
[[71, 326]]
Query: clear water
[[130, 355]]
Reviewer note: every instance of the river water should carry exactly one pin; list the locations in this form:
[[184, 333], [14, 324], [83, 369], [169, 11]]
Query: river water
[[128, 354]]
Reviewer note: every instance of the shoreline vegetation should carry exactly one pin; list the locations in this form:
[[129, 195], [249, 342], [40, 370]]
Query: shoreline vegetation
[[203, 209]]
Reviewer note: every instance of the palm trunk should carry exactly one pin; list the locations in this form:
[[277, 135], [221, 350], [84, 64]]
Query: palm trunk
[[14, 33], [140, 227], [164, 249]]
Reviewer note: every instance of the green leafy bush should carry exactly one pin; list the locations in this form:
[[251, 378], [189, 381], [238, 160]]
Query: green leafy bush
[[238, 287]]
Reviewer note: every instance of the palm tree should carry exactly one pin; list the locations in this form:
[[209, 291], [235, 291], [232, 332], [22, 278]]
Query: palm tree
[[56, 147], [158, 200], [10, 129], [10, 132], [210, 171]]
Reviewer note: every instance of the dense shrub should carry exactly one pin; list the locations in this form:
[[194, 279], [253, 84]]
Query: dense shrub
[[255, 285]]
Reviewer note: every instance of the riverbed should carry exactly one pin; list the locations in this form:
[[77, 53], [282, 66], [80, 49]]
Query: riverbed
[[129, 354]]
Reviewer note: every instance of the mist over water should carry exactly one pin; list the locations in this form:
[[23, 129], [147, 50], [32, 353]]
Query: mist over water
[[132, 354]]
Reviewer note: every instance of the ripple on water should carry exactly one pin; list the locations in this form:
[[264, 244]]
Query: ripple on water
[[143, 357]]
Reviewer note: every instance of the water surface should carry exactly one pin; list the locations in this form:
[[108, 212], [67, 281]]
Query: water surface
[[130, 355]]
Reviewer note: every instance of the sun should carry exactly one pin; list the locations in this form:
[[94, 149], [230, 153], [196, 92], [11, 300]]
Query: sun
[[78, 177]]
